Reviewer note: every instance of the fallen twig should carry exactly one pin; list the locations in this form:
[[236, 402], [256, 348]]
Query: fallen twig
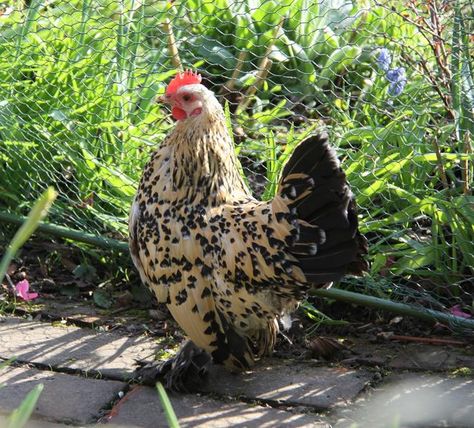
[[118, 405]]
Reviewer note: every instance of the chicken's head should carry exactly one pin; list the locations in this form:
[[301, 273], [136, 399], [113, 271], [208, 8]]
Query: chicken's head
[[187, 97]]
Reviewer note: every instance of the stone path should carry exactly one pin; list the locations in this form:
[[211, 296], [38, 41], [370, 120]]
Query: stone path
[[85, 375]]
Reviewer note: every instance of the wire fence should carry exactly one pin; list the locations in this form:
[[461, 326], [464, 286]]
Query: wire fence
[[392, 82]]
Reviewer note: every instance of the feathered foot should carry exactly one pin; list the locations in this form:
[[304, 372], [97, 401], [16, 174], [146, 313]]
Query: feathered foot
[[185, 372]]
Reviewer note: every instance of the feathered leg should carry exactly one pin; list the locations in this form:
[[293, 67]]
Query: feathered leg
[[185, 372]]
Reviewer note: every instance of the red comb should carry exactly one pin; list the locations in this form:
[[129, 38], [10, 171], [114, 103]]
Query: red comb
[[188, 77]]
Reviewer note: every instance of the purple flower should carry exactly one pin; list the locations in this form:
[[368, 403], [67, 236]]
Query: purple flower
[[396, 74], [395, 89], [398, 79], [384, 59], [458, 312]]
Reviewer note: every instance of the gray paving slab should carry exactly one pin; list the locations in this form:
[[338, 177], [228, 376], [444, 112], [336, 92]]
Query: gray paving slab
[[34, 423], [300, 384], [415, 400], [77, 311], [141, 408], [417, 357], [412, 356], [65, 398], [71, 347]]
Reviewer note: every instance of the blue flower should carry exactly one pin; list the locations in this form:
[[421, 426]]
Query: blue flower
[[395, 89], [398, 79], [384, 59], [396, 74]]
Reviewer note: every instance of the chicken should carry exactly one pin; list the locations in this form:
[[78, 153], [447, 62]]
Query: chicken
[[227, 265]]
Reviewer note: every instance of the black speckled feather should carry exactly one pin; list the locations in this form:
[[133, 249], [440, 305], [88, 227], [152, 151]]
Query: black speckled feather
[[227, 265]]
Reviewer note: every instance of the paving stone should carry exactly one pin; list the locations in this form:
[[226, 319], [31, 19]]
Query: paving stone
[[70, 347], [35, 423], [411, 399], [418, 357], [65, 398], [77, 311], [300, 384], [411, 356], [141, 408]]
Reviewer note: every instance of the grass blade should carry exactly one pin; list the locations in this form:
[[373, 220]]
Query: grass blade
[[37, 213], [167, 407], [20, 416], [85, 16], [6, 363], [31, 17], [455, 64]]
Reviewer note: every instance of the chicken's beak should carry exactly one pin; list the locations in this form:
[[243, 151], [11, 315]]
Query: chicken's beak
[[164, 99]]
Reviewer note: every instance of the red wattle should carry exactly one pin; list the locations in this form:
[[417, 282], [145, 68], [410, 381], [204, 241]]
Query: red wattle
[[178, 113]]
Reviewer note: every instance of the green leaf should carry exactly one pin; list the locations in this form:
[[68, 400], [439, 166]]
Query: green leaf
[[337, 61], [415, 259], [102, 299], [380, 260], [6, 363], [85, 272]]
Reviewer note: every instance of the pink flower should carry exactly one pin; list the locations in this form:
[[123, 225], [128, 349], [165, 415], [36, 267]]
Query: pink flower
[[458, 312], [22, 290]]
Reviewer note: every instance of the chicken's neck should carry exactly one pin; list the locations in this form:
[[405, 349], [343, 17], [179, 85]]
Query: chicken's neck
[[204, 165]]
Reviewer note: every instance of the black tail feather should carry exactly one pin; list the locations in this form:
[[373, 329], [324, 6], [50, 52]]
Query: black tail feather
[[315, 188]]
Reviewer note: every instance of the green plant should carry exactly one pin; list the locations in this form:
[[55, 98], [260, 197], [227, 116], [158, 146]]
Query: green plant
[[37, 213], [167, 407]]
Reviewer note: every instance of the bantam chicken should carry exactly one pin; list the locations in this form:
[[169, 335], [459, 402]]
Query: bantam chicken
[[227, 265]]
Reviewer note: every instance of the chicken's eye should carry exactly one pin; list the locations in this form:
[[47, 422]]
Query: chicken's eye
[[187, 97]]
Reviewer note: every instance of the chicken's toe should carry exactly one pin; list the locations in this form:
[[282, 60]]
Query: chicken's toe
[[185, 372]]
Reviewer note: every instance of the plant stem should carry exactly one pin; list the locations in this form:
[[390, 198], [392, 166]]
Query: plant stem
[[230, 84], [262, 74], [64, 232], [28, 226], [442, 171], [263, 70], [173, 49], [397, 308], [466, 176]]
